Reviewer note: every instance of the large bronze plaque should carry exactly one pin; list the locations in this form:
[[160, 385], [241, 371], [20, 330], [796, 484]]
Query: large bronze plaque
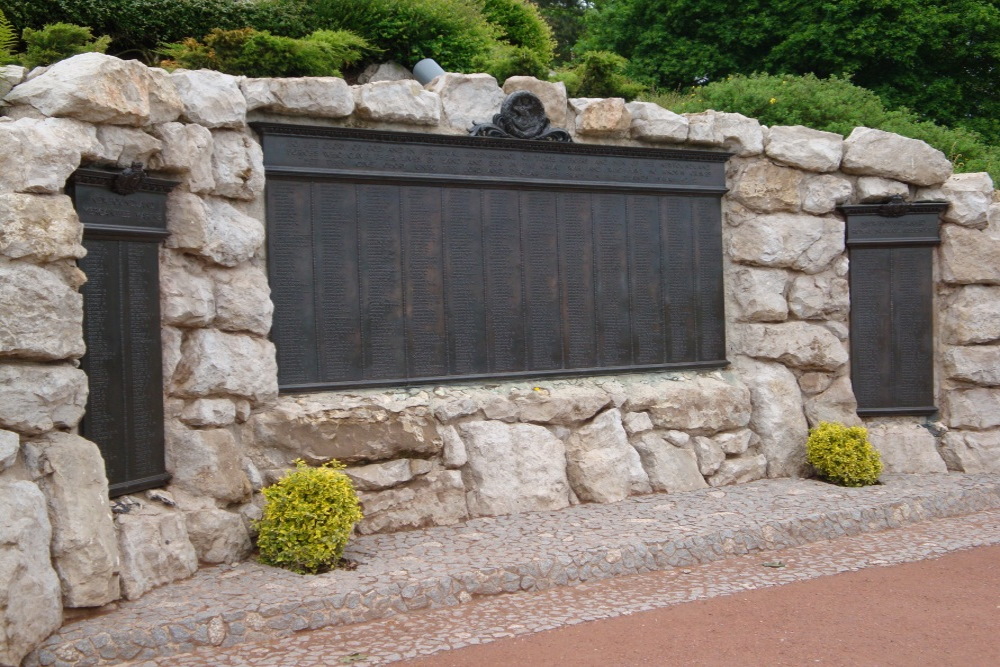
[[892, 342], [399, 258], [122, 326]]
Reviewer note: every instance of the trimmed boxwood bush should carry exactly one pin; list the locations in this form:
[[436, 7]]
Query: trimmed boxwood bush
[[842, 454], [308, 518]]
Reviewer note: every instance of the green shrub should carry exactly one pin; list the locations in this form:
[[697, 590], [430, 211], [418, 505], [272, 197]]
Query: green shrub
[[260, 54], [520, 24], [843, 455], [58, 41], [834, 105], [308, 518], [507, 61], [599, 74]]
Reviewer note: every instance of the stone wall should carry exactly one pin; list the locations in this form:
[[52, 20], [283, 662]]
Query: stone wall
[[426, 455]]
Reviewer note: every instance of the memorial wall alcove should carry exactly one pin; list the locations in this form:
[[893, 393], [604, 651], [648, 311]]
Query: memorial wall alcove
[[400, 258], [892, 305], [124, 219]]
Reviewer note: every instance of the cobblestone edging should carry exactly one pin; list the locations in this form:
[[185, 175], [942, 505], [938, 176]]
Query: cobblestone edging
[[446, 566]]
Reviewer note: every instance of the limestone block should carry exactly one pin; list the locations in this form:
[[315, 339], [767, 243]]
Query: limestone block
[[972, 316], [96, 88], [552, 95], [84, 547], [318, 430], [813, 382], [563, 405], [870, 152], [821, 296], [449, 409], [389, 71], [30, 600], [835, 404], [319, 97], [710, 456], [403, 101], [187, 294], [121, 146], [499, 408], [206, 462], [760, 294], [765, 187], [597, 459], [637, 422], [467, 99], [653, 123], [209, 412], [805, 148], [971, 452], [242, 299], [670, 469], [872, 189], [732, 131], [969, 196], [453, 454], [237, 165], [39, 155], [435, 499], [10, 445], [979, 364], [906, 448], [42, 228], [210, 98], [607, 117], [513, 468], [212, 228], [379, 476], [969, 256], [172, 339], [155, 549], [10, 76], [977, 408], [821, 193], [698, 405], [187, 149], [42, 317], [777, 418], [734, 442], [801, 345], [740, 470], [784, 240], [214, 363], [218, 536], [165, 103]]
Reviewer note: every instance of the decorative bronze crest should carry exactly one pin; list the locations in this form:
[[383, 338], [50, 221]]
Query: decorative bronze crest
[[130, 180], [522, 116], [894, 208]]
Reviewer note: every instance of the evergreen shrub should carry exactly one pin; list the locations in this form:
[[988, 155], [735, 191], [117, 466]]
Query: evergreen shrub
[[58, 41], [308, 518], [599, 74], [842, 454]]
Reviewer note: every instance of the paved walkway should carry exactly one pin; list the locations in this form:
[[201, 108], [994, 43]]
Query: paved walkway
[[446, 566]]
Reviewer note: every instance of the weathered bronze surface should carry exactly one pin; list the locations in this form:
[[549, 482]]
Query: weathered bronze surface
[[400, 258], [892, 295], [122, 324], [522, 116]]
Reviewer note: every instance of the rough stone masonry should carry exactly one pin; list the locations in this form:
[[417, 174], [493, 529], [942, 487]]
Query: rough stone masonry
[[427, 455]]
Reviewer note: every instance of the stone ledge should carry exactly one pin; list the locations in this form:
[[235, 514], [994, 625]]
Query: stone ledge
[[446, 566]]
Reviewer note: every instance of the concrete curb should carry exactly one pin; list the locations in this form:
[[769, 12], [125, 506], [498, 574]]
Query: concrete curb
[[253, 603]]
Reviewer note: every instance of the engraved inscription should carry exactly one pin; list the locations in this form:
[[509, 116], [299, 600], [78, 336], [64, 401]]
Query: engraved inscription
[[97, 205], [711, 316], [576, 270], [678, 250], [381, 281], [541, 279], [644, 271], [464, 278], [612, 296], [426, 354], [504, 304], [910, 326], [870, 303]]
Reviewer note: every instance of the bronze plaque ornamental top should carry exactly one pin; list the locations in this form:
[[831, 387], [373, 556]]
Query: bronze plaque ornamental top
[[401, 258]]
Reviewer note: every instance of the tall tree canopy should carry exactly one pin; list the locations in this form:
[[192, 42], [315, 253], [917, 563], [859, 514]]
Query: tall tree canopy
[[940, 58]]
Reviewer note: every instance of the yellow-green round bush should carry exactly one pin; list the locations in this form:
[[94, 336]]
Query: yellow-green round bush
[[842, 454], [308, 518]]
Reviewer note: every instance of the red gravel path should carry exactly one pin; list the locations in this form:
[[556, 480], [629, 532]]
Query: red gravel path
[[937, 612]]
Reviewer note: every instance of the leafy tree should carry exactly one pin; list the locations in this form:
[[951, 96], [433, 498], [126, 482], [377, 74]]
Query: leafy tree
[[940, 58], [566, 19]]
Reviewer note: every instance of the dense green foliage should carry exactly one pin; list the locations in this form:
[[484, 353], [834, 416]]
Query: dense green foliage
[[308, 518], [940, 58], [599, 74], [566, 19], [57, 41], [843, 455], [524, 41], [8, 40], [260, 54], [834, 105]]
